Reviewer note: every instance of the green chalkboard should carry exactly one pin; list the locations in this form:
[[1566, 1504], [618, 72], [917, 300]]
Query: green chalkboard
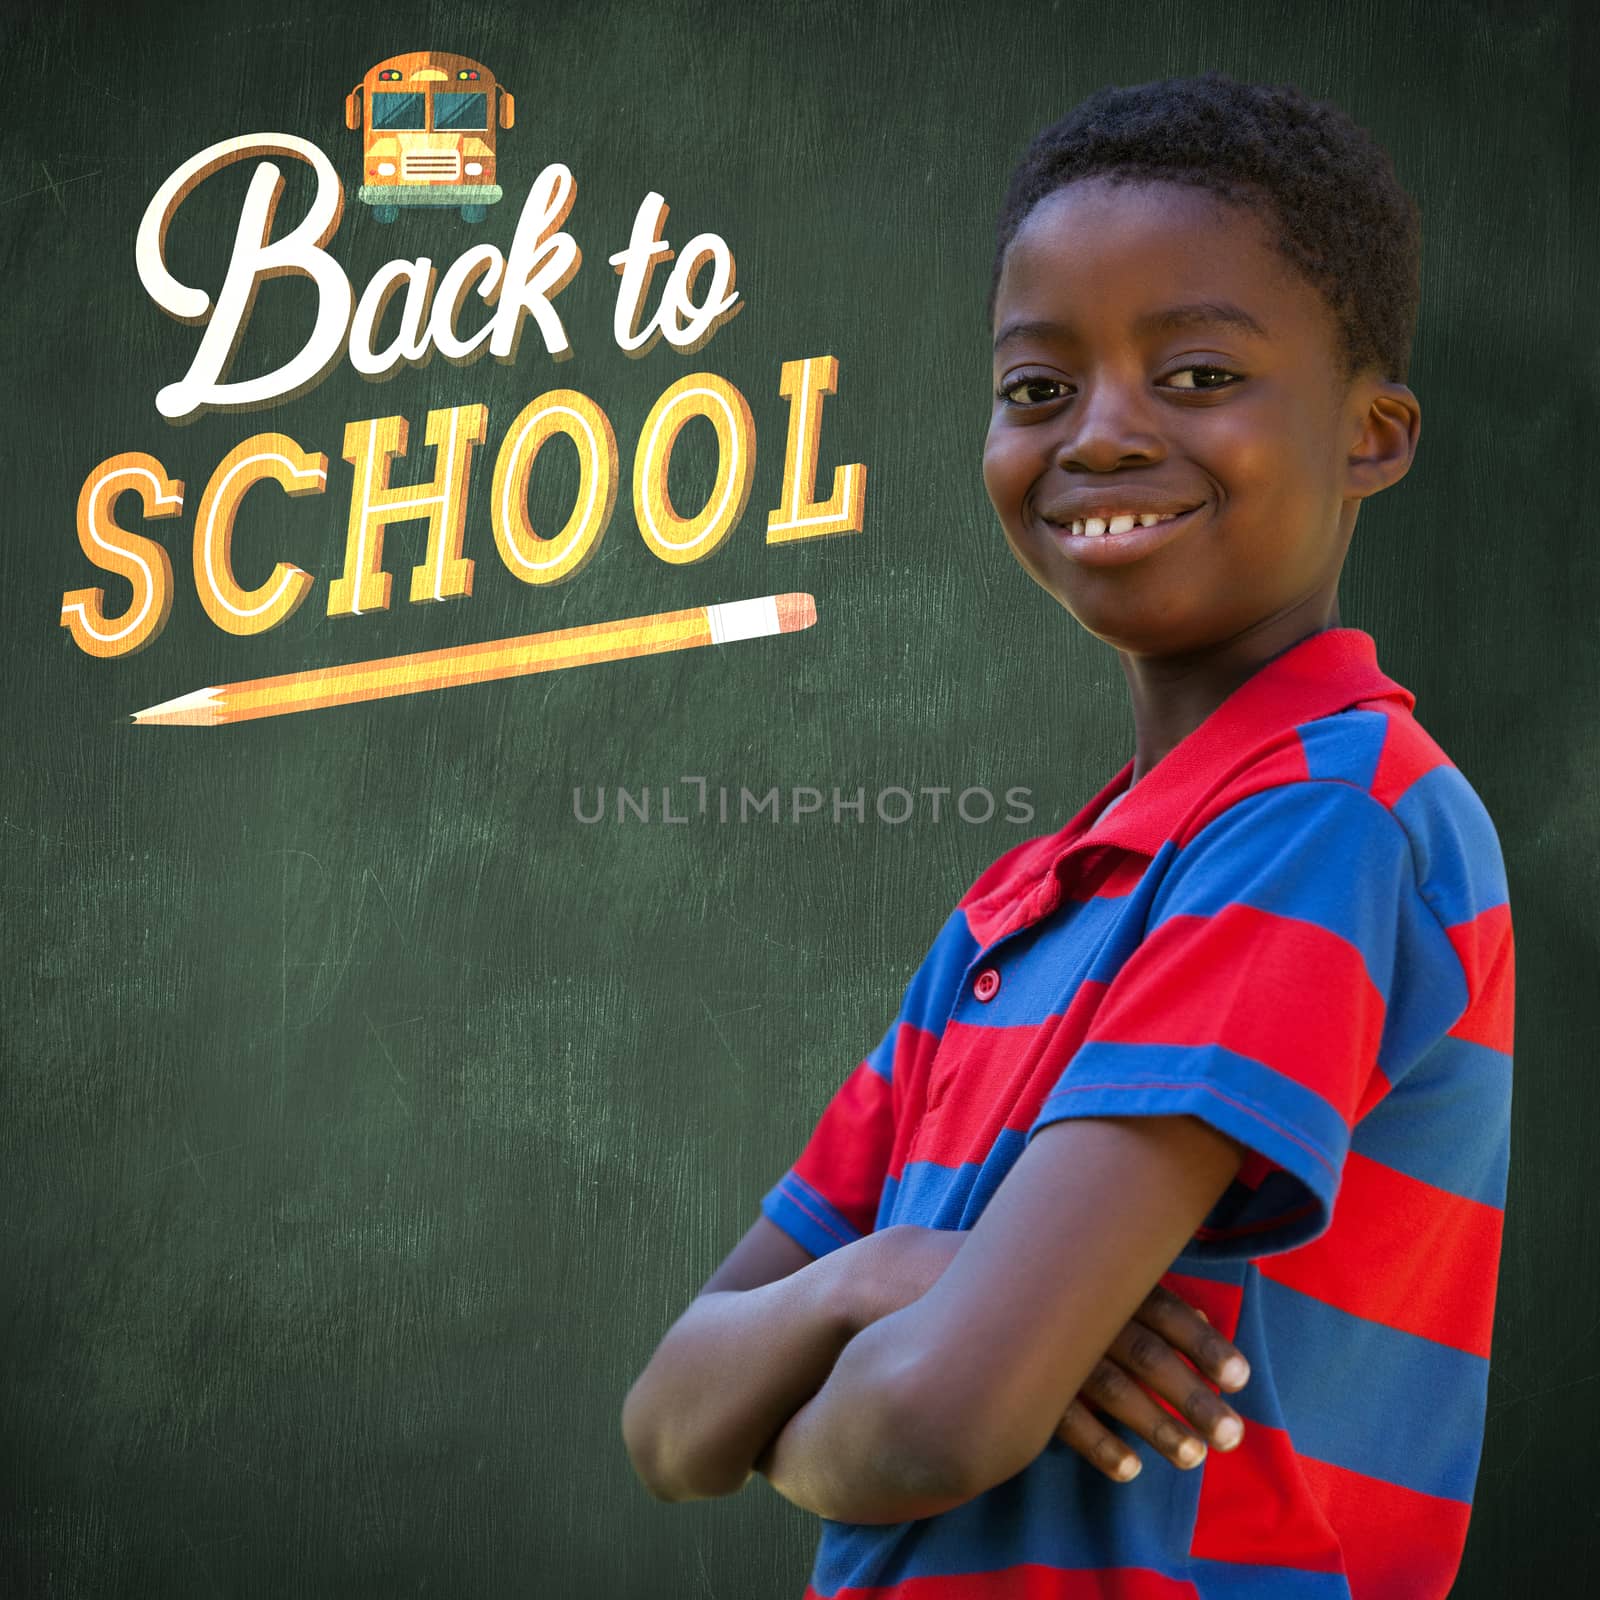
[[367, 1114]]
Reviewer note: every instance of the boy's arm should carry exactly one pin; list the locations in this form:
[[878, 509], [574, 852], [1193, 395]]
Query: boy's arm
[[961, 1389], [739, 1363], [756, 1343]]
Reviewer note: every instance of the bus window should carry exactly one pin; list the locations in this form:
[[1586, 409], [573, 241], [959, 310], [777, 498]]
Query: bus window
[[461, 112], [400, 111]]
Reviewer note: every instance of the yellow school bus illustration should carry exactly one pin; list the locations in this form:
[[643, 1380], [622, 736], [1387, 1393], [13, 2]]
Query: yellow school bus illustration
[[430, 120]]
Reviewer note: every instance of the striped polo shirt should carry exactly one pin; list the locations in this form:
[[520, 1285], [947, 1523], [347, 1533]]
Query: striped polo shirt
[[1295, 927]]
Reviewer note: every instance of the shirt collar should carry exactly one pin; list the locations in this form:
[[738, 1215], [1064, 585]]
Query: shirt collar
[[1321, 674]]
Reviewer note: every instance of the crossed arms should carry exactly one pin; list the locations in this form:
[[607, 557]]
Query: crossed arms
[[904, 1374]]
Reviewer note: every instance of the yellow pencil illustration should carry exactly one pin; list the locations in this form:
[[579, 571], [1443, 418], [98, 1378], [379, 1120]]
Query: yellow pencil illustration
[[317, 687]]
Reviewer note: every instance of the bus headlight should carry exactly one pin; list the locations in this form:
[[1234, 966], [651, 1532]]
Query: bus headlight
[[473, 168], [386, 169]]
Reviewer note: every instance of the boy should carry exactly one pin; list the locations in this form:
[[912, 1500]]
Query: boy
[[1240, 1031]]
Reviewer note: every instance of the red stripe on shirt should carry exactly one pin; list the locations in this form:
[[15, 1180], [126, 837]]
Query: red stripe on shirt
[[1001, 1087], [1254, 1508], [1425, 1278], [1378, 1086], [1398, 1544], [850, 1146], [1408, 754], [1180, 995], [1488, 954], [915, 1049], [1220, 1301]]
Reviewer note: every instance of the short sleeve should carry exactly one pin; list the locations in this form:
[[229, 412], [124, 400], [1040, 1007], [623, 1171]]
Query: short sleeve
[[830, 1196], [1288, 959]]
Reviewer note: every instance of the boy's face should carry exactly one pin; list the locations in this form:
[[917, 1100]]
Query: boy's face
[[1102, 407]]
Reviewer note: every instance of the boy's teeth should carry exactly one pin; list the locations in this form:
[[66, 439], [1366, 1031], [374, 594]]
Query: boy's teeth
[[1096, 527]]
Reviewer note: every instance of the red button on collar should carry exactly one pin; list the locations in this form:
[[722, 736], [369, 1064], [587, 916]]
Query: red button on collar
[[986, 985]]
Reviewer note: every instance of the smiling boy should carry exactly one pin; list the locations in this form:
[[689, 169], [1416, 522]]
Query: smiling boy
[[1241, 1030]]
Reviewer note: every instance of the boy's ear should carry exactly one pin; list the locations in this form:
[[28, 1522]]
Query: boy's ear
[[1389, 423]]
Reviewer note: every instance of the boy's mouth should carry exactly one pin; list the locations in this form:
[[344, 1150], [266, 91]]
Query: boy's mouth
[[1118, 535]]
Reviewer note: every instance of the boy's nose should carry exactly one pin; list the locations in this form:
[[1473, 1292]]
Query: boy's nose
[[1106, 428]]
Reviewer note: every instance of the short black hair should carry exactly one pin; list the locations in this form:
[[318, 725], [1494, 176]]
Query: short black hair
[[1324, 187]]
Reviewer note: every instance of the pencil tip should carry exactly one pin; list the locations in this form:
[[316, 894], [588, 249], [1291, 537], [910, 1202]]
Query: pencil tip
[[201, 706], [795, 611]]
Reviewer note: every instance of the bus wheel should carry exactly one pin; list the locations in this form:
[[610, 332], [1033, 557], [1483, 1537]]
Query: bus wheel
[[386, 213], [474, 213]]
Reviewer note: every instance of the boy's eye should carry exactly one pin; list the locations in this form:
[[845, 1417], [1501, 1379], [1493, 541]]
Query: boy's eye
[[1202, 378], [1032, 391]]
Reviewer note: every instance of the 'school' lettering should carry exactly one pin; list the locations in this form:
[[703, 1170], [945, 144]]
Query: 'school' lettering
[[445, 573]]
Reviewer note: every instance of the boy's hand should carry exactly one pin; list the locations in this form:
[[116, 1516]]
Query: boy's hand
[[1148, 1352], [899, 1264]]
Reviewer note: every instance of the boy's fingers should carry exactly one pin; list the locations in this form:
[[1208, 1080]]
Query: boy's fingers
[[1102, 1449], [1115, 1393], [1146, 1355], [1190, 1332]]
